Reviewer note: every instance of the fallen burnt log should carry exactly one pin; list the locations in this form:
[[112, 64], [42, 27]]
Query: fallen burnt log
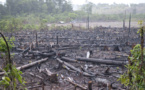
[[94, 45], [47, 54], [74, 68], [68, 59], [36, 76], [100, 61], [29, 65], [68, 45], [38, 53], [64, 48]]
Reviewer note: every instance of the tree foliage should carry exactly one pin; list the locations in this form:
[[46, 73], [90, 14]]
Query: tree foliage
[[134, 78], [12, 77], [15, 7]]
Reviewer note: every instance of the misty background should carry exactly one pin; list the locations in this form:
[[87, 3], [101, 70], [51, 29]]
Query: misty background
[[33, 13]]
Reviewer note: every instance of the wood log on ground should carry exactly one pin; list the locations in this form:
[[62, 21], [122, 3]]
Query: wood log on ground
[[67, 48], [116, 59], [68, 59], [94, 45], [47, 54], [66, 67], [37, 53], [36, 76], [76, 45], [29, 65], [100, 61], [74, 68], [52, 76]]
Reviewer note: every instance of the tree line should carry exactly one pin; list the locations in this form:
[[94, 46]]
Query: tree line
[[19, 7], [32, 13]]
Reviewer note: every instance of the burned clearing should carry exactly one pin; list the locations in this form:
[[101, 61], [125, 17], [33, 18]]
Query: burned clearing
[[73, 59]]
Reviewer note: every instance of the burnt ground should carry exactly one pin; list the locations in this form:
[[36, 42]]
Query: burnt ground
[[112, 44]]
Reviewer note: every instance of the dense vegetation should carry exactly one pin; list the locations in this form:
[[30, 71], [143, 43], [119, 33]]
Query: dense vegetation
[[12, 76], [33, 14], [52, 10]]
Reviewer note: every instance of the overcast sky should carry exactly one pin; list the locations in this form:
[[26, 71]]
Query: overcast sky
[[107, 1], [79, 2]]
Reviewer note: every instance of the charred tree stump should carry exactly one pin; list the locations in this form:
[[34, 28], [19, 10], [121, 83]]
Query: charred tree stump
[[36, 40], [90, 85]]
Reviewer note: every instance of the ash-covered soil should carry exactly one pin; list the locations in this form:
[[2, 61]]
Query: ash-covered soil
[[104, 44]]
